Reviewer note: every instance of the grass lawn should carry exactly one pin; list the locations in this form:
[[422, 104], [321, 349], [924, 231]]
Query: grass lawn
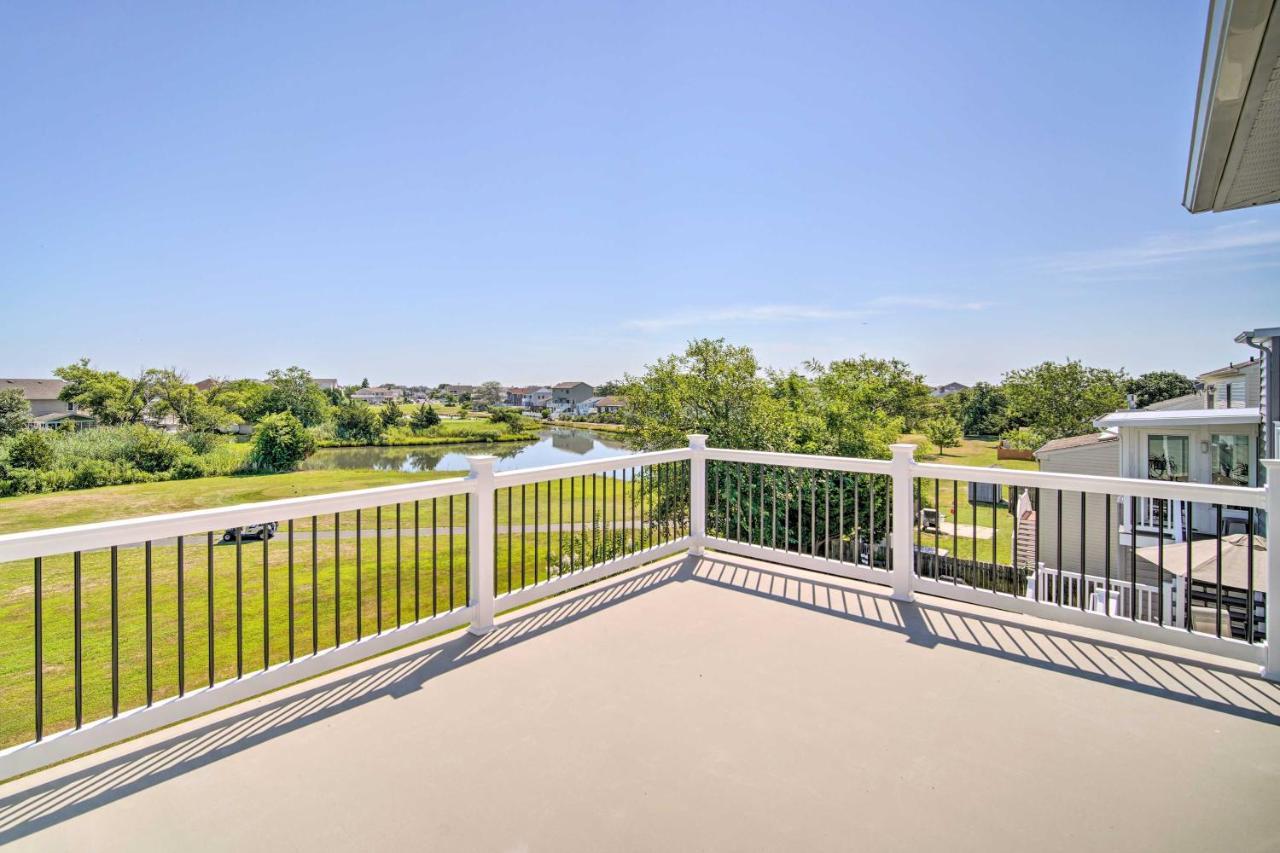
[[953, 499], [386, 575]]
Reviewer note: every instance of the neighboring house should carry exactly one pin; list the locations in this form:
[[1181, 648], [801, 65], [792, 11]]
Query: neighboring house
[[60, 420], [567, 395], [586, 407], [326, 384], [207, 384], [1215, 435], [949, 388], [460, 390], [610, 405], [47, 411], [378, 394], [517, 394], [538, 399]]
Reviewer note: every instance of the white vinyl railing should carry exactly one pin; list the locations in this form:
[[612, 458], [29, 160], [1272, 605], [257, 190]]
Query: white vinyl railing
[[517, 536]]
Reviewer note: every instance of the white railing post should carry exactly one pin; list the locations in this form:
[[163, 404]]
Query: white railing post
[[480, 539], [697, 493], [1271, 667], [903, 557]]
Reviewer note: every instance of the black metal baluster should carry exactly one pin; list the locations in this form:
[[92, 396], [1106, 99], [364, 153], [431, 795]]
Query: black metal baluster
[[1106, 560], [995, 536], [1057, 504], [359, 577], [79, 640], [524, 542], [466, 554], [182, 624], [1218, 564], [337, 580], [1084, 524], [773, 514], [919, 505], [377, 571], [1035, 505], [955, 529], [417, 562], [435, 558], [266, 602], [1187, 536], [1249, 613], [291, 591], [1133, 558], [149, 627], [115, 646], [813, 513], [573, 517], [38, 586], [826, 515], [315, 586], [937, 529], [115, 630], [399, 561], [1160, 511]]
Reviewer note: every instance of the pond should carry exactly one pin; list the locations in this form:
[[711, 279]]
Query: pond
[[553, 446]]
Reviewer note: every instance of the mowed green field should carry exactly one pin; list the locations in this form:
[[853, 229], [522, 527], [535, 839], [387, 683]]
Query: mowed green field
[[348, 582]]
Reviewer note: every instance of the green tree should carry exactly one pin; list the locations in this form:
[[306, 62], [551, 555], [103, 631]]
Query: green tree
[[293, 390], [1158, 385], [15, 412], [171, 394], [111, 397], [392, 415], [488, 394], [713, 388], [357, 421], [280, 443], [244, 398], [943, 431], [839, 409], [364, 383], [609, 388], [980, 410], [31, 449], [1059, 400], [424, 418], [890, 386]]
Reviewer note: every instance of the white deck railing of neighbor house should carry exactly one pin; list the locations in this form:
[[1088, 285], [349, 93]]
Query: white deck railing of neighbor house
[[139, 623]]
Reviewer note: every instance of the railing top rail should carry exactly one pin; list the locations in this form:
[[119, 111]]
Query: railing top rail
[[126, 531], [522, 476], [802, 460], [1119, 486]]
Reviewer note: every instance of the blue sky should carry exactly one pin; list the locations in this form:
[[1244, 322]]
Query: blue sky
[[539, 191]]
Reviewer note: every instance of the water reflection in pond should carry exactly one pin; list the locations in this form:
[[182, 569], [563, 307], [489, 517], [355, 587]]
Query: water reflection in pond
[[553, 446]]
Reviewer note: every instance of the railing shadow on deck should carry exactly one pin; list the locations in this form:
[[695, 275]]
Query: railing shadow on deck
[[926, 623], [1166, 674], [28, 811]]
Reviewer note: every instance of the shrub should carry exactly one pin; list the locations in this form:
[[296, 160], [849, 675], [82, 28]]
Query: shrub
[[280, 443], [31, 449], [392, 415], [154, 451], [359, 422], [188, 468], [424, 418], [1023, 438], [202, 442], [509, 418]]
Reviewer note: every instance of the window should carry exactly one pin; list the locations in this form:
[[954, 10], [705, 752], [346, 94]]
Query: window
[[1229, 460], [1167, 457]]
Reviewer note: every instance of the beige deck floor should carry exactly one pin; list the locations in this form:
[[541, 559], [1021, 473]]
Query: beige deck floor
[[720, 704]]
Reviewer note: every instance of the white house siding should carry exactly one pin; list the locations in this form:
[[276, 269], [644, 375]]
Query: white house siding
[[1245, 385], [1102, 459]]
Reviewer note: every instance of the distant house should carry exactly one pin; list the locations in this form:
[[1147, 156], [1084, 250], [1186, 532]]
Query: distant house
[[586, 407], [460, 390], [326, 384], [610, 405], [949, 388], [207, 384], [378, 394], [567, 395], [538, 399], [516, 394], [47, 411]]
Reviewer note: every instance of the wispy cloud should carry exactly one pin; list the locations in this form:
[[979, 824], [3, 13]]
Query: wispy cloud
[[776, 314], [1161, 251], [929, 303]]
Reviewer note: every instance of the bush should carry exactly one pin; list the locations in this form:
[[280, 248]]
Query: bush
[[31, 449], [424, 418], [357, 421], [280, 443], [202, 442], [154, 451], [509, 418], [392, 415], [188, 468], [1023, 438]]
